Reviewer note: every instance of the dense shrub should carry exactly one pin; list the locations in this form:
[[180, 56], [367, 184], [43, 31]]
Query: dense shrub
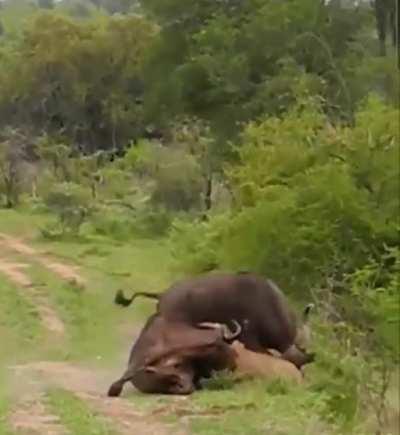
[[13, 164], [71, 204], [316, 209], [175, 174], [122, 222], [309, 198]]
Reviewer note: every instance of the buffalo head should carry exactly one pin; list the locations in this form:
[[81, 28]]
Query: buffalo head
[[181, 356]]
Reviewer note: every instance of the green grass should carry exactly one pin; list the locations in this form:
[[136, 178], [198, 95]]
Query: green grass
[[91, 323], [20, 335], [97, 328], [21, 223], [4, 427], [247, 408], [94, 323], [257, 407], [140, 264], [19, 322], [75, 415], [4, 408]]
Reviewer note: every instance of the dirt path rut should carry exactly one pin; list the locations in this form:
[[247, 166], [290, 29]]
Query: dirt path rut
[[64, 271], [31, 416], [91, 386], [31, 413], [17, 274]]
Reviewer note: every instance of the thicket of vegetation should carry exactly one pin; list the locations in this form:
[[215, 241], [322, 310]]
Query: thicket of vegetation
[[259, 135]]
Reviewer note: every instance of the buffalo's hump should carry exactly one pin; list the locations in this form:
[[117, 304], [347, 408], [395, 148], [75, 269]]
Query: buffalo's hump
[[248, 298]]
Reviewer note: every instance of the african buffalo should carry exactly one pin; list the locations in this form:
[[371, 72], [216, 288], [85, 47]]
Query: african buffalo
[[256, 303], [171, 357]]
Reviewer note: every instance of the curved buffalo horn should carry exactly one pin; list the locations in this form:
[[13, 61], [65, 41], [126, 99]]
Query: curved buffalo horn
[[230, 335], [227, 334]]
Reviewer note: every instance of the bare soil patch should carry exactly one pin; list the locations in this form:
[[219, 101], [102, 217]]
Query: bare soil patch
[[90, 386], [13, 272], [31, 416], [64, 271]]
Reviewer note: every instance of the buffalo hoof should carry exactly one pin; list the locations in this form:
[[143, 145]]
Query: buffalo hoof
[[115, 389]]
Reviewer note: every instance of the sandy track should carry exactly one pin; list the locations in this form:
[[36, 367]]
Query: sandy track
[[90, 386], [64, 271], [31, 416], [31, 380]]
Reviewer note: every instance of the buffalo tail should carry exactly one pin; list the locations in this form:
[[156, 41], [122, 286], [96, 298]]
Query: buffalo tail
[[120, 298]]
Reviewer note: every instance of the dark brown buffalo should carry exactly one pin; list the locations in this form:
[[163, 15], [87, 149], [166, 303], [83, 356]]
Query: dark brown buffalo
[[171, 357], [256, 303]]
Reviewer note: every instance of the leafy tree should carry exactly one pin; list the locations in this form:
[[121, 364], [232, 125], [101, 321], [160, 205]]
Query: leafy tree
[[56, 153], [14, 14], [209, 62], [116, 6], [385, 14], [310, 197], [78, 9], [85, 79], [195, 138], [71, 204], [46, 4], [174, 174], [12, 156]]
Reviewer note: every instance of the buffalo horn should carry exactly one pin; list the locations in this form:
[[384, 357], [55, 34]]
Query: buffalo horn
[[227, 334]]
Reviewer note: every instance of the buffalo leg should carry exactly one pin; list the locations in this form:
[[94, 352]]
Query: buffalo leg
[[298, 357]]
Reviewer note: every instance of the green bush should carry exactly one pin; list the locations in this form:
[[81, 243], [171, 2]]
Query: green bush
[[153, 221], [122, 223], [310, 198], [174, 174], [195, 245], [112, 222], [116, 184], [71, 204], [316, 209]]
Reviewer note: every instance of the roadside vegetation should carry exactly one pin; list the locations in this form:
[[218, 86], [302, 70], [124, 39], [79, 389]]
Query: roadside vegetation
[[143, 143]]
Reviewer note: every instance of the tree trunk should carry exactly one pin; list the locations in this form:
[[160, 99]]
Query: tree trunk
[[381, 25], [207, 197], [9, 192]]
